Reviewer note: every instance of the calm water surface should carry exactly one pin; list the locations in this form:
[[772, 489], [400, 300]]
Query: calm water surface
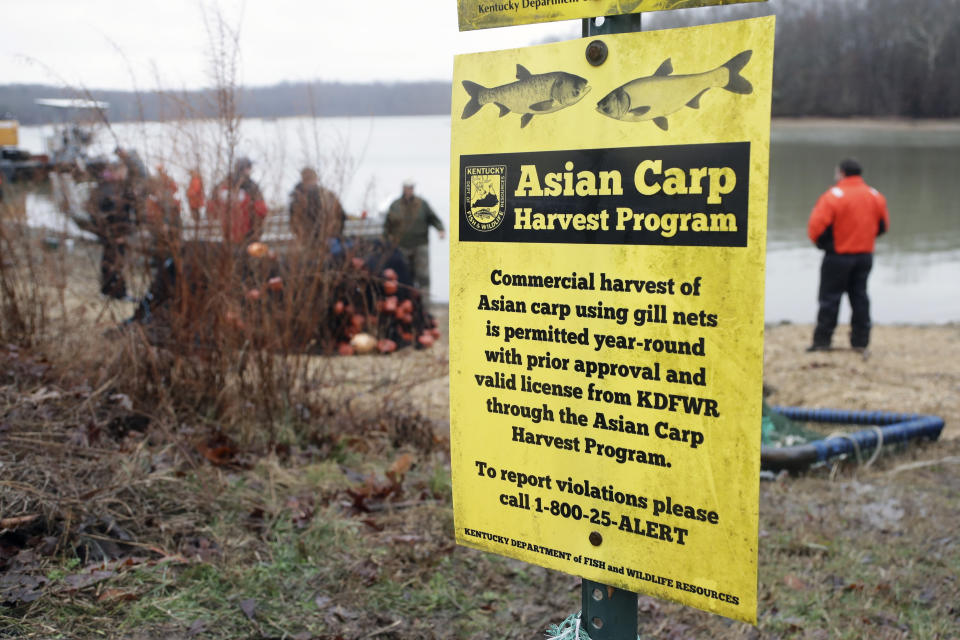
[[916, 276]]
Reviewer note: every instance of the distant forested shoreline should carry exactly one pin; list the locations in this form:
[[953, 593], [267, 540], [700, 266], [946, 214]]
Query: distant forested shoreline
[[277, 101], [834, 58], [844, 58]]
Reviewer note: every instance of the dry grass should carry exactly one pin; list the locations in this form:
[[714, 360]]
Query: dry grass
[[24, 307], [102, 505], [157, 533]]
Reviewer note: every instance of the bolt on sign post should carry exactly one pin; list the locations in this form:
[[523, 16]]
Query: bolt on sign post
[[483, 14], [606, 307]]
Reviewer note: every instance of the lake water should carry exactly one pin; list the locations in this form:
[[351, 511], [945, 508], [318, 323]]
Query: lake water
[[917, 264]]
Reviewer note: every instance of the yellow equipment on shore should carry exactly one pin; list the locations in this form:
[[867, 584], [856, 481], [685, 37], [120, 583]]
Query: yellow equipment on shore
[[9, 133]]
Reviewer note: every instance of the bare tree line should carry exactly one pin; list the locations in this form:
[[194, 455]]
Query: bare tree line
[[893, 58], [855, 57]]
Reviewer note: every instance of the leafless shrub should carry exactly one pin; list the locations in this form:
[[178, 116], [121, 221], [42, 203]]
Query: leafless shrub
[[31, 283], [247, 343]]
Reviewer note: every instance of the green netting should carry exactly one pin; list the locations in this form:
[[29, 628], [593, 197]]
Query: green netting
[[780, 431]]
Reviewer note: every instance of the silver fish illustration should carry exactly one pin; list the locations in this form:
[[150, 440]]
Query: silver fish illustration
[[532, 94], [657, 96]]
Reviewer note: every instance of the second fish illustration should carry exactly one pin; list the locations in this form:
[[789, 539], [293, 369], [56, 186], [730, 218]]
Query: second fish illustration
[[532, 94], [657, 96]]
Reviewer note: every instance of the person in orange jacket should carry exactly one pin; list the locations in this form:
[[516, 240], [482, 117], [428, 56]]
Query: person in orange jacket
[[195, 197], [844, 223], [239, 206], [162, 212]]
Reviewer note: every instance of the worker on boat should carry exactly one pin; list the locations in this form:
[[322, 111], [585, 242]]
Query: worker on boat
[[162, 213], [408, 221], [238, 204], [316, 214], [111, 207], [137, 180], [195, 195]]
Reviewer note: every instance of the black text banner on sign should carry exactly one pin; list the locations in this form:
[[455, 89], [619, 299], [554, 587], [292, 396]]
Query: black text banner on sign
[[483, 14], [606, 308], [682, 195]]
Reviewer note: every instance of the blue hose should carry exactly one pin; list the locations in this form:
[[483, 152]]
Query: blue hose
[[893, 427]]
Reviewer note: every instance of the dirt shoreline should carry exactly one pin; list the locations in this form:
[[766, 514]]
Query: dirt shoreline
[[908, 369]]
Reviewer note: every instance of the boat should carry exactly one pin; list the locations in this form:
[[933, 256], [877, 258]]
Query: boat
[[18, 164]]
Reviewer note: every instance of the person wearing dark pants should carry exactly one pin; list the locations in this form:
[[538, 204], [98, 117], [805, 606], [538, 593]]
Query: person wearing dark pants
[[111, 211], [408, 221], [845, 223], [841, 274]]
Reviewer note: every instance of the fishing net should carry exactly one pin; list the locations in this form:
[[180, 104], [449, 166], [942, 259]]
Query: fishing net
[[780, 431]]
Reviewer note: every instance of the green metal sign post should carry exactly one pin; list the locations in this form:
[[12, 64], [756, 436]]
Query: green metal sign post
[[608, 613], [627, 23]]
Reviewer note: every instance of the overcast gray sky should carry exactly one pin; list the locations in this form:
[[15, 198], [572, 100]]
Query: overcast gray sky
[[108, 43]]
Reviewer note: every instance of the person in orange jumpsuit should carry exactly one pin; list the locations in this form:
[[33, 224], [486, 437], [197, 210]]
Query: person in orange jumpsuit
[[195, 197], [238, 204], [845, 223], [162, 209]]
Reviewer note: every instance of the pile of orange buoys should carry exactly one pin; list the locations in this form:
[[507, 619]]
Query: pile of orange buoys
[[400, 313], [370, 315]]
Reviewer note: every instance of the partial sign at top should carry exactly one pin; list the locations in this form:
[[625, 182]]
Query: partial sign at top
[[485, 14]]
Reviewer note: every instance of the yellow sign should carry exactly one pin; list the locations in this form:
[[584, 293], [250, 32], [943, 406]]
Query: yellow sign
[[8, 133], [483, 14], [606, 308]]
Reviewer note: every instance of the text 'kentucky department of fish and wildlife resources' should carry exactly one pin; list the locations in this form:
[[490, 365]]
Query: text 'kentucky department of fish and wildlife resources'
[[484, 14]]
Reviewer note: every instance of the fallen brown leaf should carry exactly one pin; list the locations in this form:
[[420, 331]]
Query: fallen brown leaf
[[116, 595], [400, 467]]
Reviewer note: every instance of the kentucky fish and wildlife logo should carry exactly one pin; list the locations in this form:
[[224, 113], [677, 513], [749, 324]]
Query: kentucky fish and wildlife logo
[[483, 196]]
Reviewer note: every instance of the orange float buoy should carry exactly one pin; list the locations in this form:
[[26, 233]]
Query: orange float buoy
[[257, 249]]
